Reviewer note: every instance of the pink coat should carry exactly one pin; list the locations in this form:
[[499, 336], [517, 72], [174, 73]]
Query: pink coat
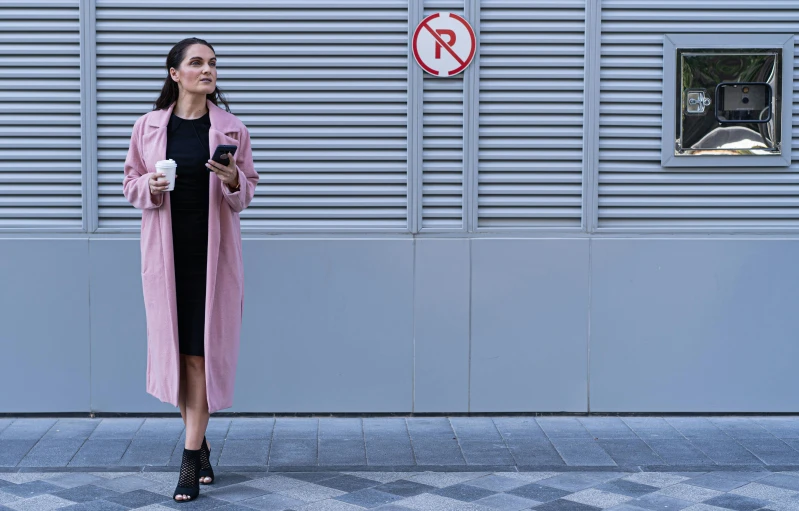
[[225, 282]]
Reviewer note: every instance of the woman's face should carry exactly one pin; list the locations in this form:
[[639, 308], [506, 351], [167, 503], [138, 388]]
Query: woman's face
[[197, 72]]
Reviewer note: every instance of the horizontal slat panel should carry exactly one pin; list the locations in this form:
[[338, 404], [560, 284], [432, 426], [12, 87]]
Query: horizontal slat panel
[[40, 116], [634, 190], [442, 141], [322, 88], [531, 113]]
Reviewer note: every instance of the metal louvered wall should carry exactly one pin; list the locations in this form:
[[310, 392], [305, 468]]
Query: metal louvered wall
[[442, 153], [531, 113], [322, 90], [40, 116], [634, 190]]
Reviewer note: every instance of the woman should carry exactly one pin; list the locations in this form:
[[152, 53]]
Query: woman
[[192, 271]]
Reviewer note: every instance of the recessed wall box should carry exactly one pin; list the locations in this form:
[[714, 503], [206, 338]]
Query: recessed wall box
[[727, 100]]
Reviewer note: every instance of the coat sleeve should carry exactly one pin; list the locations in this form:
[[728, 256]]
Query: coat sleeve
[[135, 184], [248, 177]]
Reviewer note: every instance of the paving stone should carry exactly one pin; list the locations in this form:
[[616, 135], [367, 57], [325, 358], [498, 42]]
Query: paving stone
[[629, 488], [657, 502], [565, 505], [237, 492], [116, 429], [724, 481], [286, 428], [12, 451], [127, 483], [657, 479], [597, 498], [496, 482], [73, 479], [51, 453], [736, 502], [381, 477], [630, 451], [275, 483], [726, 451], [251, 429], [85, 493], [137, 498], [339, 451], [99, 453], [506, 502], [388, 451], [368, 498], [741, 427], [536, 452], [765, 492], [431, 502], [582, 452], [161, 429], [678, 452], [576, 481], [464, 492], [563, 428], [330, 505], [652, 428], [519, 429], [540, 493], [273, 502], [475, 429], [40, 503], [148, 452], [27, 429], [443, 479], [771, 451], [689, 492], [348, 483], [608, 428], [486, 453], [437, 451], [31, 489], [309, 492], [789, 482], [404, 488], [95, 505], [202, 502], [75, 429], [287, 452]]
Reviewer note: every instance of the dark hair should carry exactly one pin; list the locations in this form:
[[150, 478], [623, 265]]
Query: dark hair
[[170, 90]]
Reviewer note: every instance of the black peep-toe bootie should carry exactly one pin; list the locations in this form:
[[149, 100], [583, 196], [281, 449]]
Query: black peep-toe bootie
[[206, 470], [189, 483]]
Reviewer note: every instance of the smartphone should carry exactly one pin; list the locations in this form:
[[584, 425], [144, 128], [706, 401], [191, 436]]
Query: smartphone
[[223, 149]]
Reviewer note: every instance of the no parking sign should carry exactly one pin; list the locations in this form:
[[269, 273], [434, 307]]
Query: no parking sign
[[444, 44]]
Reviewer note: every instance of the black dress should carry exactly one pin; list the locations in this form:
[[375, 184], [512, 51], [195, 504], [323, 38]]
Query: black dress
[[187, 144]]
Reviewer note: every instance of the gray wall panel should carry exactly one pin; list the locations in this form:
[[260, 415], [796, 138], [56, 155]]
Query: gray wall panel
[[328, 326], [529, 325], [441, 332], [44, 313], [119, 333], [697, 325]]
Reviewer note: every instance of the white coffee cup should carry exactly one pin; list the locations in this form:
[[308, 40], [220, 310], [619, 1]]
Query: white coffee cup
[[168, 168]]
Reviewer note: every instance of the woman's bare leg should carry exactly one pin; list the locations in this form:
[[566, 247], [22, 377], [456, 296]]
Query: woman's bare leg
[[194, 402]]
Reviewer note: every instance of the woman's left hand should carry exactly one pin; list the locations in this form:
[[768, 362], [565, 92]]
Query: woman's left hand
[[228, 174]]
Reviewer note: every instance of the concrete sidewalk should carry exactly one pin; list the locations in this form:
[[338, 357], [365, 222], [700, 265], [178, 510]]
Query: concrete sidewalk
[[547, 463]]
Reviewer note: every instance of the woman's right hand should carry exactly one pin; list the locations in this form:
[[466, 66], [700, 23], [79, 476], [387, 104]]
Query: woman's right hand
[[157, 184]]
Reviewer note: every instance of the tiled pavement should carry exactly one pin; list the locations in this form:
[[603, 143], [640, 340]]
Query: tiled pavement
[[396, 463]]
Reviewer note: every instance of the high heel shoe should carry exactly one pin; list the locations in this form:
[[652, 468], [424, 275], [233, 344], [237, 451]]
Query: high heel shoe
[[188, 483], [206, 470]]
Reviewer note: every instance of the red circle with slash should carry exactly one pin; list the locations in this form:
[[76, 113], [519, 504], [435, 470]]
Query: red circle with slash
[[444, 44]]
